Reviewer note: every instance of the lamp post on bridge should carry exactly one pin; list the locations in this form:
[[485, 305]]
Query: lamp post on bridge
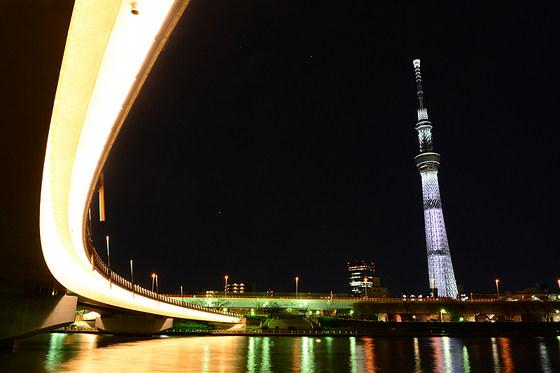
[[225, 288], [155, 279], [297, 279], [109, 265], [498, 288], [132, 278]]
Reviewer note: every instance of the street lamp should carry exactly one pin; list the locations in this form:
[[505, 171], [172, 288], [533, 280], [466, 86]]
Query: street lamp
[[498, 288], [297, 279], [132, 278], [365, 287], [442, 312], [109, 264], [225, 288], [108, 256], [153, 280]]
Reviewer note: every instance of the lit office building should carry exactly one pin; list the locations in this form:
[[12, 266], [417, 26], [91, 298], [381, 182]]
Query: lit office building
[[361, 277], [240, 287]]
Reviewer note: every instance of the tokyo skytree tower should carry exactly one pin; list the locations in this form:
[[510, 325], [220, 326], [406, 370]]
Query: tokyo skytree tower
[[440, 268]]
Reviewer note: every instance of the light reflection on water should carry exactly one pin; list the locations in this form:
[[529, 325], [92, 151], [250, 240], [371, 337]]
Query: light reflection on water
[[98, 353], [307, 357], [466, 363], [353, 362], [507, 359], [543, 353], [417, 360], [369, 354], [438, 355]]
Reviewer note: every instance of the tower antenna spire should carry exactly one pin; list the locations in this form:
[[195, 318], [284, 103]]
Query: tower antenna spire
[[419, 91]]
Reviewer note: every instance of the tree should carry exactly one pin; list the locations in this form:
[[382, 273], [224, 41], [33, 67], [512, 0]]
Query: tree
[[367, 310], [508, 309], [271, 308], [218, 303], [215, 303], [548, 308], [390, 308], [528, 309], [431, 310], [409, 309], [474, 308], [454, 309]]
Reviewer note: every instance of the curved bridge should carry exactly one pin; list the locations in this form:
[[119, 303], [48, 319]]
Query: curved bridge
[[110, 49]]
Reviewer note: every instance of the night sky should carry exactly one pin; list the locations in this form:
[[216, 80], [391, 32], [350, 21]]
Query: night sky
[[276, 139]]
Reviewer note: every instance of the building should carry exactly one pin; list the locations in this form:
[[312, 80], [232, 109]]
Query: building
[[361, 277], [441, 277], [537, 289], [241, 287]]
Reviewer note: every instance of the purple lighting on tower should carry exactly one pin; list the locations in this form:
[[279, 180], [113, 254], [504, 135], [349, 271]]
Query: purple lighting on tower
[[440, 269]]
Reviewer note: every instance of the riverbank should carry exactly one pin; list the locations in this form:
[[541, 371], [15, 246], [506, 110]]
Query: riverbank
[[383, 329], [415, 329]]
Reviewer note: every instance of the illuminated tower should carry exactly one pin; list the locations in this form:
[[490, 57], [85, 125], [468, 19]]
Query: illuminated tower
[[440, 269]]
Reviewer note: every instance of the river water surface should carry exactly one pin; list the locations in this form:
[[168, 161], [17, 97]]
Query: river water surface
[[92, 353]]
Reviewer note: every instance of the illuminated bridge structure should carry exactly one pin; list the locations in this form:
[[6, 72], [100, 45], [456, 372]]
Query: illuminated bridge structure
[[109, 49]]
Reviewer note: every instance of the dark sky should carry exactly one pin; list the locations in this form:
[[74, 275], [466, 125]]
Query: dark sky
[[276, 139]]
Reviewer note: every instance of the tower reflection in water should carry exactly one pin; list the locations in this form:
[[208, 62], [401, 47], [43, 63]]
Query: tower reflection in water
[[449, 355], [544, 355]]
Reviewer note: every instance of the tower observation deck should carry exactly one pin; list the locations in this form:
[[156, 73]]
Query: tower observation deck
[[440, 269]]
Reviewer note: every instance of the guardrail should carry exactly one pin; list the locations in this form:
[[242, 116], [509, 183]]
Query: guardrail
[[258, 331], [362, 299], [103, 269]]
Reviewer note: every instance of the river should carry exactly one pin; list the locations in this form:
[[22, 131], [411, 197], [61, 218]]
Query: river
[[59, 352]]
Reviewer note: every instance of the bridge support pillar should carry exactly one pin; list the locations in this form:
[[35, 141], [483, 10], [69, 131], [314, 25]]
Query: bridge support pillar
[[6, 345], [22, 316], [140, 325]]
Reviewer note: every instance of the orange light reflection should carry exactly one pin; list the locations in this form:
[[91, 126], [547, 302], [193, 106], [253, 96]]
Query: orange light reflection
[[506, 356], [369, 354]]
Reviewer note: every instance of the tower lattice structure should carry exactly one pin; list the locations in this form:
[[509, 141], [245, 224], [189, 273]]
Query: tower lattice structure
[[440, 269]]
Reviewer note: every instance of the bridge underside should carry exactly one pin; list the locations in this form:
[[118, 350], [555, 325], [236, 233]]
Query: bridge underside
[[32, 299]]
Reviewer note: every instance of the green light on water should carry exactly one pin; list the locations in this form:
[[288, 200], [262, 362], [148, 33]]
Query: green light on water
[[466, 362], [55, 354]]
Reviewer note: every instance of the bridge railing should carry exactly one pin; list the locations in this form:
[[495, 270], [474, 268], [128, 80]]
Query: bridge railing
[[115, 279], [334, 298]]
